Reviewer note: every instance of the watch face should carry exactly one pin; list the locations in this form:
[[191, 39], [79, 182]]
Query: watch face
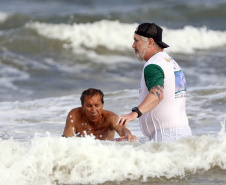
[[134, 109]]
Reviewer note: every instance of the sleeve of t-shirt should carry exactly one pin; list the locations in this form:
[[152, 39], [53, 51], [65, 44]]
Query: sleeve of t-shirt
[[153, 75]]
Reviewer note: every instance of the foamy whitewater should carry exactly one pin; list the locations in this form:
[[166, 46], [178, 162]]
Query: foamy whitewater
[[52, 160], [92, 35], [50, 52]]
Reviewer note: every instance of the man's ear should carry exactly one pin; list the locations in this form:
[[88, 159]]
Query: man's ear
[[151, 41]]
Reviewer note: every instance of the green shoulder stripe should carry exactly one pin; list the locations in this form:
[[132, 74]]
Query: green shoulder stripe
[[153, 75]]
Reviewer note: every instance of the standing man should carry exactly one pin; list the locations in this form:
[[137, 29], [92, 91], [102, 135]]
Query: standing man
[[161, 109], [92, 119]]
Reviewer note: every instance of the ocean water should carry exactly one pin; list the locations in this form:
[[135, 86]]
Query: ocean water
[[50, 51]]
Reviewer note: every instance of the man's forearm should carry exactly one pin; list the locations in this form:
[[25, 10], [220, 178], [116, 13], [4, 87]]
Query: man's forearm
[[126, 132], [152, 99]]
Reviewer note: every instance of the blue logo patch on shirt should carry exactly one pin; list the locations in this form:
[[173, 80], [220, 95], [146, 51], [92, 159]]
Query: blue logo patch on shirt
[[180, 84]]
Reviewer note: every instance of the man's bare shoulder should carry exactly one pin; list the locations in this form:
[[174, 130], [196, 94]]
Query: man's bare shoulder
[[75, 113], [77, 109], [109, 115]]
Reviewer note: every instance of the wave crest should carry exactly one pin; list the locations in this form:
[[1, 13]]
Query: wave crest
[[114, 35]]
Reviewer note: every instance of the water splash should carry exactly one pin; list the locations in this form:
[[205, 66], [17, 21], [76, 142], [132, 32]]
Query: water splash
[[222, 131]]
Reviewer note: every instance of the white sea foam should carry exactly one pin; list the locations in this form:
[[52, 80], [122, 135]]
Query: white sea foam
[[49, 160], [188, 39], [119, 36], [110, 34]]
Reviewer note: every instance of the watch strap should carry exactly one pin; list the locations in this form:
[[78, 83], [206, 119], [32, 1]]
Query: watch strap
[[135, 109]]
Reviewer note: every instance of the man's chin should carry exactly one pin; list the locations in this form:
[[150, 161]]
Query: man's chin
[[139, 58], [94, 118]]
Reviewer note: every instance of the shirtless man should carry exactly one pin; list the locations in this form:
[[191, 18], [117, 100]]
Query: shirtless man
[[92, 119]]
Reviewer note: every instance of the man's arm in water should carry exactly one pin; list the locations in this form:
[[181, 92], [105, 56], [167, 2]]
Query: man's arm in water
[[70, 130], [122, 131]]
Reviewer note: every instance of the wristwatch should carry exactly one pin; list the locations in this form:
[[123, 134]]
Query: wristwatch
[[135, 109]]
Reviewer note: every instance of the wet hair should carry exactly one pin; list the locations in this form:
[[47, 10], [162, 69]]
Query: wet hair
[[90, 93]]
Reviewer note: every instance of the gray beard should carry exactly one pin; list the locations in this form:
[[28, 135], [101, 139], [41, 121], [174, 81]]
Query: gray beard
[[139, 57]]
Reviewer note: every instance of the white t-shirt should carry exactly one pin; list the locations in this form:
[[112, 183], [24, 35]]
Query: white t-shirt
[[170, 112]]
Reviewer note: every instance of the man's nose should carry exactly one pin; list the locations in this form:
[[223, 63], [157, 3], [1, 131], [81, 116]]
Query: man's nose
[[93, 109]]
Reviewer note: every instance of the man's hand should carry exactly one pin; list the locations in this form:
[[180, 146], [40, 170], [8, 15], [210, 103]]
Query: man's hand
[[129, 138], [125, 119]]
